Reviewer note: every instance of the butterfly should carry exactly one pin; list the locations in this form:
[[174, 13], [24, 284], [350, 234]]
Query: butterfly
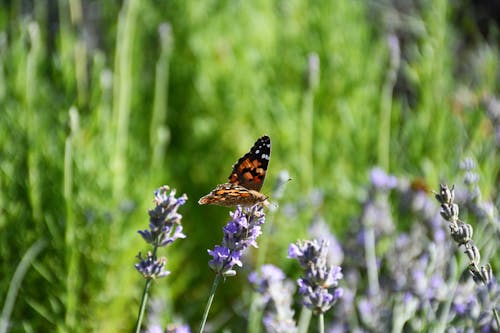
[[246, 179]]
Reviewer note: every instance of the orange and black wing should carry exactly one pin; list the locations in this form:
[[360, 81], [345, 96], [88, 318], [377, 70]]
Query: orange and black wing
[[250, 170]]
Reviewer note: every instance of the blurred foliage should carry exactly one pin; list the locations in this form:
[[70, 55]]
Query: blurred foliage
[[102, 102]]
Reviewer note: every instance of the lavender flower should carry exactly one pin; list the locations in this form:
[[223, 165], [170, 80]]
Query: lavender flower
[[319, 285], [320, 230], [381, 180], [240, 233], [164, 228], [276, 296], [178, 329], [262, 281], [163, 218], [461, 233], [471, 306], [151, 267]]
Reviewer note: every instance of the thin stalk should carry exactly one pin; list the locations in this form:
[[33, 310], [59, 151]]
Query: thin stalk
[[304, 320], [159, 132], [386, 104], [15, 283], [321, 323], [497, 319], [72, 255], [32, 124], [307, 122], [80, 52], [142, 308], [209, 303], [144, 299], [255, 314], [371, 260], [122, 91]]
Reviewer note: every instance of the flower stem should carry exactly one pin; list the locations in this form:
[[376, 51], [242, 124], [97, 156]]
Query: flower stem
[[209, 302], [371, 260], [321, 323], [497, 319], [142, 308], [304, 319], [16, 282]]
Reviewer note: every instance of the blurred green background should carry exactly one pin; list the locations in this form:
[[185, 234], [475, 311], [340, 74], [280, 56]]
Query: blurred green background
[[101, 102]]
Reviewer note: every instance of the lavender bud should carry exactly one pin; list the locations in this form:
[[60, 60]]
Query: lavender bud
[[446, 195], [473, 253], [462, 233], [476, 275], [449, 212], [486, 273]]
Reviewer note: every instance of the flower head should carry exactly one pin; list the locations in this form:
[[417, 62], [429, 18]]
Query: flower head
[[381, 180], [240, 233], [268, 277], [176, 328], [320, 230], [276, 296], [164, 228], [151, 267], [164, 221], [319, 284]]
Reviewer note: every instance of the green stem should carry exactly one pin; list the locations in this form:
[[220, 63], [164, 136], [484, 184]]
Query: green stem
[[209, 302], [159, 132], [497, 319], [142, 308], [15, 283], [371, 260], [304, 320], [70, 239], [122, 91], [307, 122], [321, 323], [144, 300], [384, 136], [255, 314]]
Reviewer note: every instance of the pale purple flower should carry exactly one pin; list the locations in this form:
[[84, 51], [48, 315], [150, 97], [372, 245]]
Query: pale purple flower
[[224, 259], [164, 228], [268, 276], [177, 329], [151, 267], [319, 284], [276, 297], [321, 231], [381, 180], [240, 233], [164, 221]]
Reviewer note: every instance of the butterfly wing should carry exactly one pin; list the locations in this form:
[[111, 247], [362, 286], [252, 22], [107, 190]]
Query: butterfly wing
[[250, 170], [229, 195]]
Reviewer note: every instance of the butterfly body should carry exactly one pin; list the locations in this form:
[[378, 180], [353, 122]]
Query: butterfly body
[[245, 180]]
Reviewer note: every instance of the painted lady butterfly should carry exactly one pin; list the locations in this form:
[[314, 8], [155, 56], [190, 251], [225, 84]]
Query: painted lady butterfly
[[246, 179]]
